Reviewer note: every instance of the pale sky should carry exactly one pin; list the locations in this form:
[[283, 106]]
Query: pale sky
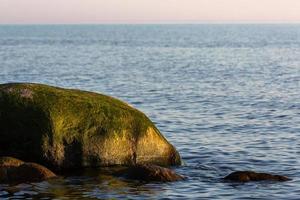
[[146, 11]]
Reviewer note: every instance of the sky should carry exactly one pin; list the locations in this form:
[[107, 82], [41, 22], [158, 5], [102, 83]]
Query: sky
[[147, 11]]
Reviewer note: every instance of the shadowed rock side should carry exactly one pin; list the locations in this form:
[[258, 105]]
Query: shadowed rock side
[[152, 173], [246, 176], [64, 128], [16, 171]]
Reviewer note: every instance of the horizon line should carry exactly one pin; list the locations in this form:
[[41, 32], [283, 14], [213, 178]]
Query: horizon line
[[167, 22]]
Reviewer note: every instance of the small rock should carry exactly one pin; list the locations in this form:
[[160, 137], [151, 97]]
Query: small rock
[[246, 176], [10, 162], [32, 172], [147, 172], [16, 171]]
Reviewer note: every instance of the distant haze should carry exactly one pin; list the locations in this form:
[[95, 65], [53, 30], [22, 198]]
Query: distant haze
[[147, 11]]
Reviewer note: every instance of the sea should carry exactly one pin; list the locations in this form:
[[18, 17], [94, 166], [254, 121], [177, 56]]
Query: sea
[[227, 96]]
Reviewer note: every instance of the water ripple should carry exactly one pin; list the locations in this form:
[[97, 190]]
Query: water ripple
[[227, 96]]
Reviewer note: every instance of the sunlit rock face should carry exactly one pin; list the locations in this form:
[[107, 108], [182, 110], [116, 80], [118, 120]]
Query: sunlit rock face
[[65, 128]]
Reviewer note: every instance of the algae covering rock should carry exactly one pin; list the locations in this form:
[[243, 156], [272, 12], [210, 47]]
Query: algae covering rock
[[16, 171], [65, 128]]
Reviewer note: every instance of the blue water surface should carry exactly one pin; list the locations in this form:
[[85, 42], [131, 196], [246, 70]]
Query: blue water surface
[[227, 96]]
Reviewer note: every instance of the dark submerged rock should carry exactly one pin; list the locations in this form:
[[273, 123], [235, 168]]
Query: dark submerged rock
[[16, 171], [68, 129], [246, 176], [146, 172]]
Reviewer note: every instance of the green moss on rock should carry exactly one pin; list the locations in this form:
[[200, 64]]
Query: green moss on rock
[[66, 128]]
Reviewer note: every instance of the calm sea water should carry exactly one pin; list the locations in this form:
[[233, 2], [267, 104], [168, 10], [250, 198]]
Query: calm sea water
[[227, 96]]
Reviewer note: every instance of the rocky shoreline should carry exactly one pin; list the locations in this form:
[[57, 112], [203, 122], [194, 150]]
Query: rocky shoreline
[[14, 171], [63, 129]]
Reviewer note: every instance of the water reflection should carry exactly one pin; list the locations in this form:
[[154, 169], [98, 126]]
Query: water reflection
[[87, 184]]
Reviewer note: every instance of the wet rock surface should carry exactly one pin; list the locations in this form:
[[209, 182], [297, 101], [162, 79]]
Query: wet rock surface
[[147, 172], [10, 162], [16, 171], [246, 176]]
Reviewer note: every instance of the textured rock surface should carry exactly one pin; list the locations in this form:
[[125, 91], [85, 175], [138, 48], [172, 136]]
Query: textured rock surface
[[10, 162], [16, 171], [148, 172], [246, 176], [64, 128]]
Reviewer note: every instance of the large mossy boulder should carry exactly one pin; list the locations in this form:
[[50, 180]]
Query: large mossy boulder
[[66, 128]]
